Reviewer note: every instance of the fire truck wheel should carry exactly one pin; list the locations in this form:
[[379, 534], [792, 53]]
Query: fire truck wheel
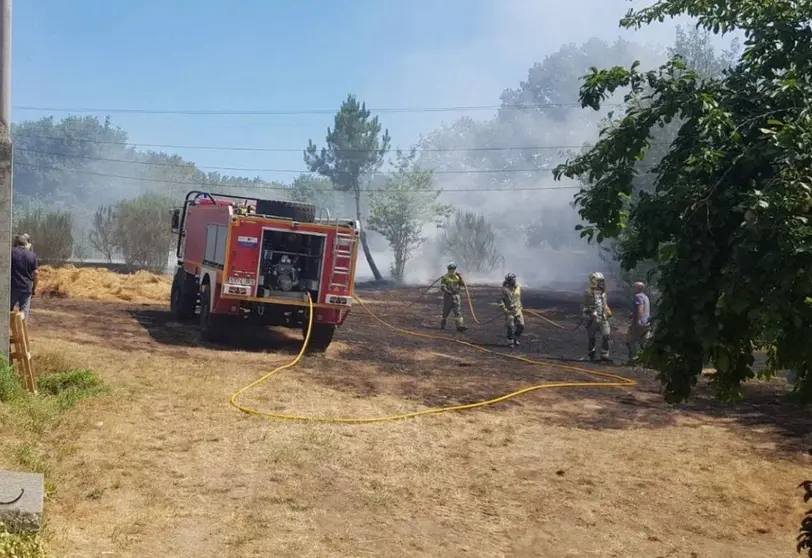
[[183, 298], [301, 212], [320, 337], [209, 329]]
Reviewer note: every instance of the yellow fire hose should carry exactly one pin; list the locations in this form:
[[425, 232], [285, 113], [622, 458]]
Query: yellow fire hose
[[615, 380]]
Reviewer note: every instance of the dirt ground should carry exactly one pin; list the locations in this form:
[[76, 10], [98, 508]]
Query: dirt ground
[[165, 467]]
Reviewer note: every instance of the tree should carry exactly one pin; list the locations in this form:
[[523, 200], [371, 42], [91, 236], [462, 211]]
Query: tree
[[51, 234], [102, 235], [355, 148], [697, 51], [727, 219], [400, 210], [142, 233], [316, 190], [469, 239]]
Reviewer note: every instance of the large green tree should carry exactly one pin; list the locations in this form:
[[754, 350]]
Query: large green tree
[[355, 149], [727, 217]]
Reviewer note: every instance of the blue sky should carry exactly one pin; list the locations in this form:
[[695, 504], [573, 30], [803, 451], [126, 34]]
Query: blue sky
[[273, 55]]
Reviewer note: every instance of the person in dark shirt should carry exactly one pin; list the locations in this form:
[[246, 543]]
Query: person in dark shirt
[[24, 269]]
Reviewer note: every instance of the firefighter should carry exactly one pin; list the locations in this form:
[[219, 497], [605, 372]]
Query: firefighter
[[450, 285], [511, 304], [639, 330], [596, 313]]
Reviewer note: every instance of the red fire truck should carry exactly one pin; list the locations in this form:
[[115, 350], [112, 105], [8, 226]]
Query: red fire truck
[[257, 261]]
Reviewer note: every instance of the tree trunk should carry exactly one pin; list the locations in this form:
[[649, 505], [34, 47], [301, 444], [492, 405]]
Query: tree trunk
[[364, 245]]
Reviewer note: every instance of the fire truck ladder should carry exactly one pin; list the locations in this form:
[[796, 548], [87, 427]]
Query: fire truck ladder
[[342, 261]]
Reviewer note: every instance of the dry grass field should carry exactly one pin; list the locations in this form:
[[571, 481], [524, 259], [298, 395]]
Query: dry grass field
[[162, 465]]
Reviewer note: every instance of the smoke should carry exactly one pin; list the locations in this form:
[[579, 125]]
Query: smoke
[[524, 52]]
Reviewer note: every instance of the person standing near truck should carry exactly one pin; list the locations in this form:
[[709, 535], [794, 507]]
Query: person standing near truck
[[24, 274]]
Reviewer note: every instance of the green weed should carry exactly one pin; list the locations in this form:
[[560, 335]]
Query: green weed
[[23, 545]]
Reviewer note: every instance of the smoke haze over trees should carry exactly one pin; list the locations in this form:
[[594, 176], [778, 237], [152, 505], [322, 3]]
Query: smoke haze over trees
[[498, 167]]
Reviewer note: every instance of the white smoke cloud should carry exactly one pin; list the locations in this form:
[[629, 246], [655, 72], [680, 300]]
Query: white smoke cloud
[[512, 36]]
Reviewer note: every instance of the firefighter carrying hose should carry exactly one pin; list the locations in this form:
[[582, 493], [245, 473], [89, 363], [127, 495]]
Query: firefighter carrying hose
[[596, 313], [511, 304], [450, 284]]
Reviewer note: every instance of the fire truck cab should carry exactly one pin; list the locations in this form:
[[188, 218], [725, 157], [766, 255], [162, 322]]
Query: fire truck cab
[[250, 261]]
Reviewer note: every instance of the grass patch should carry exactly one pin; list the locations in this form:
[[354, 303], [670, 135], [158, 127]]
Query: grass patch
[[13, 545], [58, 392], [46, 363], [31, 417]]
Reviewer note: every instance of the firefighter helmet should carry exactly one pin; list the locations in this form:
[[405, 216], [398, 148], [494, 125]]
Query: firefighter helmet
[[595, 278], [451, 266], [510, 279]]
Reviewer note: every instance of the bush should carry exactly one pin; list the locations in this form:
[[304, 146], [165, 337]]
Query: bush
[[142, 232], [51, 234], [469, 239], [102, 234]]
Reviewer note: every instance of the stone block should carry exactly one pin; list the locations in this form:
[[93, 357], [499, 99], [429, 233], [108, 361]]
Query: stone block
[[22, 498]]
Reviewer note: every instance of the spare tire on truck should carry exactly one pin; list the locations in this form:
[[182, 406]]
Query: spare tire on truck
[[296, 211]]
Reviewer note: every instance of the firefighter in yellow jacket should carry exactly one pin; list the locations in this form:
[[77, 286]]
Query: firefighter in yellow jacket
[[596, 313], [451, 284], [511, 304]]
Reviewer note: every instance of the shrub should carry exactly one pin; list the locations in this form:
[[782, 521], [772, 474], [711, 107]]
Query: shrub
[[142, 233], [102, 234], [51, 234], [469, 239]]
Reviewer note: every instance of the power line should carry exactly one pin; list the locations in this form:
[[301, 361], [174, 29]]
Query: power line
[[293, 112], [281, 188], [249, 169], [300, 150], [293, 149]]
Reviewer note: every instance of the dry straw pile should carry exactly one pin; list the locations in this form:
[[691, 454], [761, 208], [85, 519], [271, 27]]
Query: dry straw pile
[[95, 283]]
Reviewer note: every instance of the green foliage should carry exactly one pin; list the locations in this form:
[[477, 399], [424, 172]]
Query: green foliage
[[402, 207], [316, 190], [11, 389], [470, 241], [102, 235], [20, 545], [141, 232], [71, 386], [727, 217], [51, 234], [48, 154], [354, 149], [696, 49], [58, 392], [805, 535]]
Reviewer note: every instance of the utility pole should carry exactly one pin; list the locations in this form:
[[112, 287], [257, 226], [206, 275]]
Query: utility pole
[[6, 171]]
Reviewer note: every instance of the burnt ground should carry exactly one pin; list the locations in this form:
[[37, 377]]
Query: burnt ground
[[174, 470], [368, 359]]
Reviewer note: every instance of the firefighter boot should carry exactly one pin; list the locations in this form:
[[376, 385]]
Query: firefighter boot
[[442, 323], [519, 330], [461, 328]]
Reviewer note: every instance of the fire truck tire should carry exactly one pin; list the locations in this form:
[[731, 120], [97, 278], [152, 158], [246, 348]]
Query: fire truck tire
[[320, 337], [301, 212], [210, 329], [183, 298]]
